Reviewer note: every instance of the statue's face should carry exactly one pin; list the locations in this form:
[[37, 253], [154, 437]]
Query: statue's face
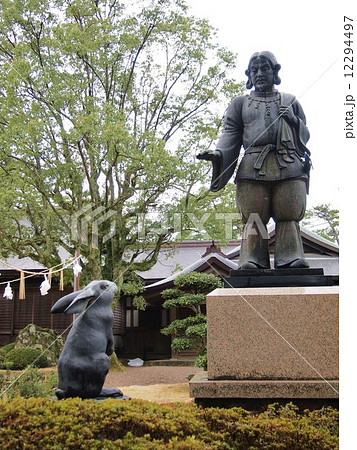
[[262, 75]]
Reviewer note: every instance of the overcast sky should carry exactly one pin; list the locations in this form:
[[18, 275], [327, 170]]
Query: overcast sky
[[307, 40]]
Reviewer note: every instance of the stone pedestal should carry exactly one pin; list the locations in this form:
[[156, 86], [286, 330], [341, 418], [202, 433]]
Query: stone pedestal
[[270, 343], [277, 278]]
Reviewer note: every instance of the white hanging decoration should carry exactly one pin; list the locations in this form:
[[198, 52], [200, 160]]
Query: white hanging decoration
[[45, 286], [77, 268], [8, 292]]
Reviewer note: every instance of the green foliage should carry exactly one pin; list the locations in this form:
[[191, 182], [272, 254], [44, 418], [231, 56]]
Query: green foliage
[[198, 282], [115, 364], [171, 293], [201, 361], [198, 330], [8, 347], [3, 352], [183, 343], [135, 424], [132, 287], [191, 300], [103, 107], [139, 302], [46, 340], [20, 358], [189, 333], [180, 325], [210, 215], [323, 220], [30, 384]]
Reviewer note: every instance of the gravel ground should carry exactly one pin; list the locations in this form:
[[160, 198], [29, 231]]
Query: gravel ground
[[149, 375]]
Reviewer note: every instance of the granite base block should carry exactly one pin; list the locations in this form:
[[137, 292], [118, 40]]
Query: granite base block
[[268, 345], [201, 387], [273, 333], [255, 396]]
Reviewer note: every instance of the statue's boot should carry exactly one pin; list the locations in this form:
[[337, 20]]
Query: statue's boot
[[249, 265], [254, 252], [289, 252]]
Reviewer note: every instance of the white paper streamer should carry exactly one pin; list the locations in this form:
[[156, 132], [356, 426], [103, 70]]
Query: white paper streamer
[[8, 292], [45, 286], [77, 268]]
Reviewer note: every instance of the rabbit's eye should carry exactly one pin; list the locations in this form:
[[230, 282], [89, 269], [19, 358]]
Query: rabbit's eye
[[103, 286]]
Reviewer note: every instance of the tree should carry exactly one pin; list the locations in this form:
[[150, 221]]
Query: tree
[[211, 215], [190, 292], [102, 109], [324, 221]]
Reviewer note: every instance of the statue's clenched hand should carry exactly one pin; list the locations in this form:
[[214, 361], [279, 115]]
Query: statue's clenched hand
[[208, 155], [288, 115]]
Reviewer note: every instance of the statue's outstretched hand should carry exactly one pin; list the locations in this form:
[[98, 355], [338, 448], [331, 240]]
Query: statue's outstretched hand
[[208, 155]]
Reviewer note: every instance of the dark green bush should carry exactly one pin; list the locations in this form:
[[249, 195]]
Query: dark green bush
[[30, 384], [20, 358], [201, 361], [48, 341], [3, 351], [113, 424], [6, 348]]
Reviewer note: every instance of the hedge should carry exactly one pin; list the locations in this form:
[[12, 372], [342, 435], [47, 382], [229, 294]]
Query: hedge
[[31, 383], [20, 358], [4, 351], [81, 424], [6, 348]]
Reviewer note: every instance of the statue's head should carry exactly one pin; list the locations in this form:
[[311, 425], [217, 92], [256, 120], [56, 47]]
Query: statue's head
[[260, 59]]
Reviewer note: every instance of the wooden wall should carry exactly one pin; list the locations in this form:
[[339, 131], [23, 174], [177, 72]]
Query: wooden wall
[[15, 314]]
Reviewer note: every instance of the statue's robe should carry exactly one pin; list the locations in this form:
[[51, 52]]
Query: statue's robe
[[273, 149]]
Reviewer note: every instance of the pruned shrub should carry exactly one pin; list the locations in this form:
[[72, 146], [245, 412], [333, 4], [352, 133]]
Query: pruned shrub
[[113, 424], [190, 333], [3, 352], [20, 358], [48, 341], [201, 361], [6, 348], [31, 383]]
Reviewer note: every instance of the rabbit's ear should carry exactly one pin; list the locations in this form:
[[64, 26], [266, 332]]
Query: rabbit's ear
[[81, 301], [62, 304]]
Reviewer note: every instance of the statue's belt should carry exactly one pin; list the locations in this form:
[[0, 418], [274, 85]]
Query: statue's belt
[[283, 156]]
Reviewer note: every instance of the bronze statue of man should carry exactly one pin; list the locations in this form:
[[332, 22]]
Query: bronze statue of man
[[273, 176]]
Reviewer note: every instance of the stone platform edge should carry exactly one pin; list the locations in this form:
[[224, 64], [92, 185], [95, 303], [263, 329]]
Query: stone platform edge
[[202, 388], [275, 291]]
